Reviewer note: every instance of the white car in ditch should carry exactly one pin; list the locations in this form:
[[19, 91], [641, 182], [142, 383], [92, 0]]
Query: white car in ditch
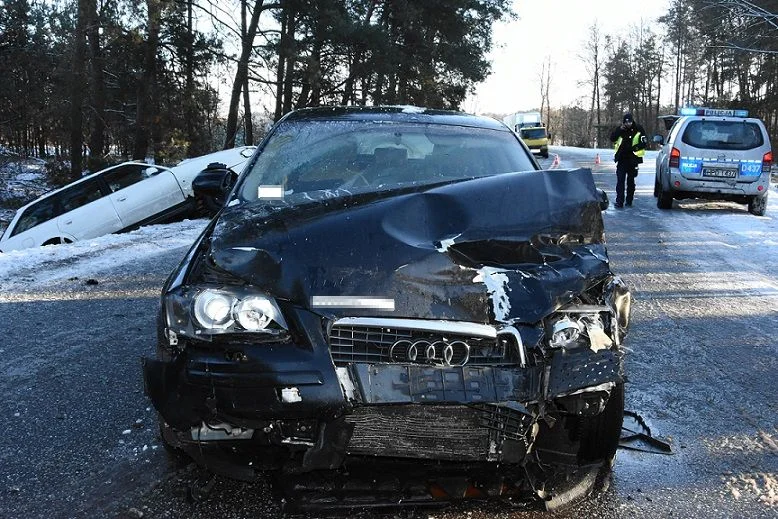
[[115, 199]]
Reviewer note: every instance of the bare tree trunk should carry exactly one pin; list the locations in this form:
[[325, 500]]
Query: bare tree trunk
[[288, 47], [78, 67], [356, 62], [280, 72], [146, 85], [248, 123], [193, 146], [241, 75], [247, 120], [97, 135]]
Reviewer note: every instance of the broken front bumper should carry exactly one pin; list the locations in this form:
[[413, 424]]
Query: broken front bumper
[[238, 408]]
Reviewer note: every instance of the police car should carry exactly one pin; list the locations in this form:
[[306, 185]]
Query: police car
[[714, 154]]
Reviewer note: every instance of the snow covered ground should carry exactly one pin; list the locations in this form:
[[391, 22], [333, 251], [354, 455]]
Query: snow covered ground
[[29, 270]]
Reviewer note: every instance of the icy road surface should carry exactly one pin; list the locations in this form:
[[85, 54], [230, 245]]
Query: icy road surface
[[80, 437]]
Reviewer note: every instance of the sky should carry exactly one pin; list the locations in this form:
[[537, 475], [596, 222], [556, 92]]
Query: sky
[[555, 29]]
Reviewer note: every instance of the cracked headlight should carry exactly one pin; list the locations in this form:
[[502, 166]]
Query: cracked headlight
[[580, 327], [564, 333], [205, 311], [213, 309]]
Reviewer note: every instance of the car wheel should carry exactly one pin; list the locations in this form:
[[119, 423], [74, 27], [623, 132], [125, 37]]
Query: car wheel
[[599, 434], [665, 199], [545, 155], [656, 186], [209, 205], [577, 450], [757, 205], [57, 241], [170, 442]]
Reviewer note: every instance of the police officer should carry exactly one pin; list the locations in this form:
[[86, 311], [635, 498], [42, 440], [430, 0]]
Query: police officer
[[630, 146]]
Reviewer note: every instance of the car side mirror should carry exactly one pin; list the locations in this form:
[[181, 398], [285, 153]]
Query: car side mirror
[[150, 172], [659, 139], [604, 202], [216, 180]]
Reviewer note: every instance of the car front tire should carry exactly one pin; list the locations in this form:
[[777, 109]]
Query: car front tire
[[600, 434], [577, 450]]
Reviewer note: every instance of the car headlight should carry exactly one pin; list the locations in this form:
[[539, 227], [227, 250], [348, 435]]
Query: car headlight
[[590, 327], [205, 311], [213, 309]]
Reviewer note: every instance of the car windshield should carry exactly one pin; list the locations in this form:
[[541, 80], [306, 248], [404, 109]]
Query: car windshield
[[307, 158], [723, 135], [533, 133]]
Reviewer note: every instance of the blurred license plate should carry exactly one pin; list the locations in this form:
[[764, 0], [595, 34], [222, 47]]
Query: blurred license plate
[[719, 173]]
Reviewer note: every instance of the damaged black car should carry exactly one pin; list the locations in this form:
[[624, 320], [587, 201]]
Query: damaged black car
[[399, 286]]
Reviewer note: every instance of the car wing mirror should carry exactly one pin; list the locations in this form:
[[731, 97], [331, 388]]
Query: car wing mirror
[[659, 139], [150, 172], [216, 180], [604, 202]]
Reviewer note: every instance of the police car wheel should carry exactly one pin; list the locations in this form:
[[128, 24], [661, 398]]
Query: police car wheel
[[665, 199], [757, 205]]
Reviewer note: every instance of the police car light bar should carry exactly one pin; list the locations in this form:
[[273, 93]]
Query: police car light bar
[[691, 110]]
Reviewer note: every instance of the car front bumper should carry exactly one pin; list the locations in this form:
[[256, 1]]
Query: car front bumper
[[249, 407], [731, 187]]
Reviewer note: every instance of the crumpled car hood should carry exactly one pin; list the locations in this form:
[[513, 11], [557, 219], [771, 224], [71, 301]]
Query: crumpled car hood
[[506, 248]]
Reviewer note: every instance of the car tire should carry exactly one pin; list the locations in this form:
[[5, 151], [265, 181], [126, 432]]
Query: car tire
[[545, 155], [209, 205], [757, 205], [665, 199], [656, 186], [57, 241], [600, 434], [170, 443], [576, 440], [577, 451]]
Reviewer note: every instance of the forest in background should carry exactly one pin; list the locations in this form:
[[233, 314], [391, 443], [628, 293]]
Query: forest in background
[[91, 82], [713, 53]]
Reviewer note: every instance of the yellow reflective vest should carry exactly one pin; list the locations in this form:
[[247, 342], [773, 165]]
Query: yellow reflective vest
[[635, 142]]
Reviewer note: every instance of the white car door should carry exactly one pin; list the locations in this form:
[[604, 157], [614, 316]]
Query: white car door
[[86, 212], [140, 191]]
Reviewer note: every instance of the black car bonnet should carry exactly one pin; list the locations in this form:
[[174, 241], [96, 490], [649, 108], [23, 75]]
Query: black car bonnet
[[505, 248]]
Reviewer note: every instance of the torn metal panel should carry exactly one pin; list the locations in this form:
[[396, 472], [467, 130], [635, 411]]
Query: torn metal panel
[[382, 384], [538, 253], [574, 370]]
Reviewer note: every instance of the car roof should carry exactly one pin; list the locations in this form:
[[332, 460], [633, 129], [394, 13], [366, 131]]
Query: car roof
[[395, 114], [84, 179], [685, 118]]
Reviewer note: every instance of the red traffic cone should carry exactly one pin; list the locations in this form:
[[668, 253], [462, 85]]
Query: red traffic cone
[[597, 160]]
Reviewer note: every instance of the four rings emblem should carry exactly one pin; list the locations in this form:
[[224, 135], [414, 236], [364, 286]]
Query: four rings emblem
[[438, 353]]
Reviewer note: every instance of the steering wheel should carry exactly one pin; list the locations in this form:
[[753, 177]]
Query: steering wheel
[[352, 182]]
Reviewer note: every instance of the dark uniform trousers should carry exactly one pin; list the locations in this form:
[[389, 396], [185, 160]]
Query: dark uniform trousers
[[625, 171]]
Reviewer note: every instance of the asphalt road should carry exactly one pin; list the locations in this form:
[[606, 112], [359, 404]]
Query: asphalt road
[[80, 439]]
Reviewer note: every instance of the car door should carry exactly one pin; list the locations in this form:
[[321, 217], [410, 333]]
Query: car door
[[86, 211], [140, 191]]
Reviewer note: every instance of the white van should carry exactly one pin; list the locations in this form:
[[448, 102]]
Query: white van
[[115, 199]]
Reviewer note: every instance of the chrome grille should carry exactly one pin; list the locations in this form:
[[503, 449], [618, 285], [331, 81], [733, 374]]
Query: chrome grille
[[381, 344]]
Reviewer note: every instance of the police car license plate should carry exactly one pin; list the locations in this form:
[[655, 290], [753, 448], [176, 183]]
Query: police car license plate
[[719, 173]]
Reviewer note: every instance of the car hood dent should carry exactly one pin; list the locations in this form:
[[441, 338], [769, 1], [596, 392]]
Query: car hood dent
[[506, 248]]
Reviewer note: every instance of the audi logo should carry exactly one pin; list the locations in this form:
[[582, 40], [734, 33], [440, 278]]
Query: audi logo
[[437, 353]]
